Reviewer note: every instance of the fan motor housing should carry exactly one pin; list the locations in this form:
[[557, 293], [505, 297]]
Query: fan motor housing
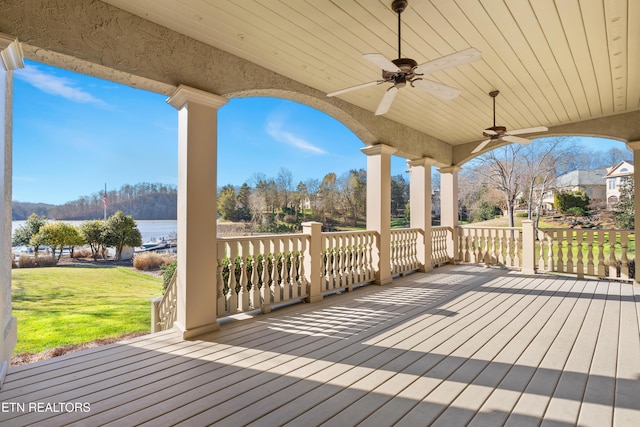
[[406, 66], [499, 131]]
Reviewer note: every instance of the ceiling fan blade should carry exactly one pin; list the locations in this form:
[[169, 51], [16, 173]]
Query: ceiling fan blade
[[453, 60], [490, 132], [481, 145], [528, 130], [387, 100], [517, 139], [356, 87], [437, 89], [381, 62]]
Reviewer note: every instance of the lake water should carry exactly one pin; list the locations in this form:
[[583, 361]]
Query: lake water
[[150, 229]]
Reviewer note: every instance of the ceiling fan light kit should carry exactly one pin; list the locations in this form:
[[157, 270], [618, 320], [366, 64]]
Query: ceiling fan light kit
[[401, 71]]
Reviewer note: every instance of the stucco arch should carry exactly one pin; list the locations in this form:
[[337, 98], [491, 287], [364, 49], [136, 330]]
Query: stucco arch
[[622, 127], [360, 130], [115, 45]]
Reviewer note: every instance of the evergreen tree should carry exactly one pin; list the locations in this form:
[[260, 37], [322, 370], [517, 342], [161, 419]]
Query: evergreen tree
[[243, 206], [93, 233], [121, 230], [227, 207], [25, 233], [625, 209]]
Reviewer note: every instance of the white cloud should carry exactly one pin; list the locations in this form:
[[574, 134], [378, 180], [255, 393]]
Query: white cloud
[[274, 129], [58, 86]]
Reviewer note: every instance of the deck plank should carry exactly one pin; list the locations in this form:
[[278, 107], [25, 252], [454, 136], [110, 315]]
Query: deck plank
[[455, 346], [599, 394], [564, 407], [627, 394]]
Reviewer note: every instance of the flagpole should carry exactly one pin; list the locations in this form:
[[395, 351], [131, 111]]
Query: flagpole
[[104, 201]]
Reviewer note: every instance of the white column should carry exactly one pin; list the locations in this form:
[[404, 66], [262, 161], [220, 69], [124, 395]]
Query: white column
[[379, 205], [449, 205], [635, 147], [420, 205], [197, 204], [11, 58]]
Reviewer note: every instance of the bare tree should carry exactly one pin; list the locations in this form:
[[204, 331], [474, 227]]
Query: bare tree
[[541, 161], [313, 188], [284, 184], [503, 168]]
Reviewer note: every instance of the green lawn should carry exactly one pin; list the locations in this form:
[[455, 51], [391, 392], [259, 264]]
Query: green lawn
[[71, 305]]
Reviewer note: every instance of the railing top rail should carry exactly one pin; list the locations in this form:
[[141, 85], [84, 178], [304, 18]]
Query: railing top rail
[[348, 233], [442, 227], [475, 227], [586, 230], [402, 230], [263, 237]]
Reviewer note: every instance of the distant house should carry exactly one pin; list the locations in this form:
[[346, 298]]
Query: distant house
[[613, 178], [435, 203], [591, 181]]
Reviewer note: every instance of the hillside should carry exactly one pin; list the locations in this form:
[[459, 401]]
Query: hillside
[[142, 201]]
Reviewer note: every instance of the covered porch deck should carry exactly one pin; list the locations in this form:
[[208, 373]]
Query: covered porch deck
[[458, 345]]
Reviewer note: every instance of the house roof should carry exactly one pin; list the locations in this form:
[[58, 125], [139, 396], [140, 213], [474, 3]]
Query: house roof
[[581, 177], [624, 168]]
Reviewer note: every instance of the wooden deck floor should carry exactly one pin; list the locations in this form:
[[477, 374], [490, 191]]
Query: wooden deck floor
[[461, 345]]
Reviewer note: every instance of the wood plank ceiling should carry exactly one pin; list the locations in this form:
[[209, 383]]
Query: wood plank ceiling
[[554, 62]]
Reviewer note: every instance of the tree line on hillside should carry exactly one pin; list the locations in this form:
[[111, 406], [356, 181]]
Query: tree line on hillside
[[517, 176], [277, 204], [145, 200]]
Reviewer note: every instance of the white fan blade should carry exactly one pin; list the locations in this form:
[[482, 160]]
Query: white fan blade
[[437, 89], [381, 62], [453, 60], [481, 145], [490, 132], [356, 87], [387, 100], [528, 130], [511, 138]]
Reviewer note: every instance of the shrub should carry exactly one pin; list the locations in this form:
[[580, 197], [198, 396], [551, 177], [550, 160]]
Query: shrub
[[27, 261], [522, 214], [82, 253], [577, 211], [151, 260], [564, 201], [167, 275]]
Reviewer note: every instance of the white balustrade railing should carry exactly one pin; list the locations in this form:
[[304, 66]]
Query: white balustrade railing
[[347, 259], [258, 272], [602, 253], [490, 245], [164, 309], [404, 250], [439, 237]]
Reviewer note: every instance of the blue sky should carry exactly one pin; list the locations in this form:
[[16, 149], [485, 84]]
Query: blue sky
[[74, 133]]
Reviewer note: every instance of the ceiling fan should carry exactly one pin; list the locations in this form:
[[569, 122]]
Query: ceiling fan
[[495, 133], [403, 70]]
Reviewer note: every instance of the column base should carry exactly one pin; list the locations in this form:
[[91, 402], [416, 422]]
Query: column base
[[194, 332], [313, 299]]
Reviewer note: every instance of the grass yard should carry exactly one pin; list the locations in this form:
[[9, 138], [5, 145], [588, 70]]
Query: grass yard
[[71, 305]]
